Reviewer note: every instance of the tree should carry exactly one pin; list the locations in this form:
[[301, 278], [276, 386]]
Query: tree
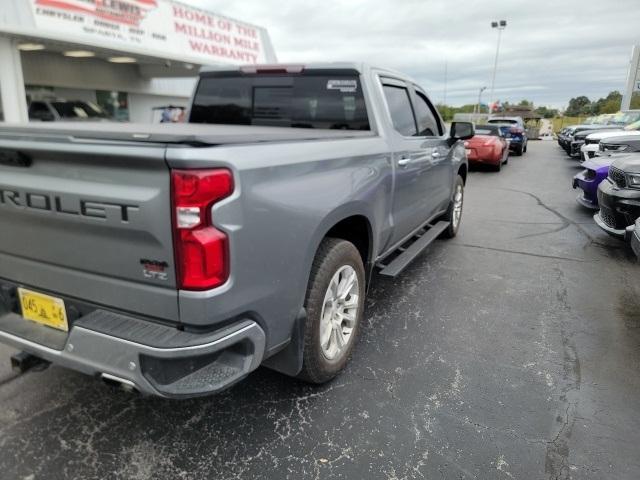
[[578, 106], [546, 112], [610, 104]]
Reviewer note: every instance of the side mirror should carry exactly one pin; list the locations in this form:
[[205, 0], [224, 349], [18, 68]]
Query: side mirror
[[462, 130]]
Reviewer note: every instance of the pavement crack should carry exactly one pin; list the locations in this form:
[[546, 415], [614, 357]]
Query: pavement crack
[[518, 252], [9, 379], [546, 232], [565, 220], [557, 456]]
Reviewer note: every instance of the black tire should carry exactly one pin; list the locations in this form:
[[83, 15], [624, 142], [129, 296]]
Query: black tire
[[518, 151], [332, 255], [524, 150], [497, 167], [452, 229]]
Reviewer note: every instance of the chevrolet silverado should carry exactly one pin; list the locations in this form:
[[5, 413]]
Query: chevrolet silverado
[[175, 259]]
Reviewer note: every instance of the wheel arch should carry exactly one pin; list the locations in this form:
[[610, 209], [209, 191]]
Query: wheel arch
[[353, 223], [462, 171]]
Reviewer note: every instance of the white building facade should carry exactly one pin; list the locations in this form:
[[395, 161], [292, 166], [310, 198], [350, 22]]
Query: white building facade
[[133, 58]]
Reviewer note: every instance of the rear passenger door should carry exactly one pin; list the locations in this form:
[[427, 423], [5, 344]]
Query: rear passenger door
[[412, 158]]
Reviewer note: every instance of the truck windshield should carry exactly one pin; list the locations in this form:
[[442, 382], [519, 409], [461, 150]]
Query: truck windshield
[[282, 100]]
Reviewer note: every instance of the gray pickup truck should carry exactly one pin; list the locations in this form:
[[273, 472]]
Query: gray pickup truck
[[175, 259]]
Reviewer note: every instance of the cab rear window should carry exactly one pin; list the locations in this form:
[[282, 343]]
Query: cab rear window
[[282, 100]]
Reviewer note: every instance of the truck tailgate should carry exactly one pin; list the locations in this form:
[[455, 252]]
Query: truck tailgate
[[90, 220]]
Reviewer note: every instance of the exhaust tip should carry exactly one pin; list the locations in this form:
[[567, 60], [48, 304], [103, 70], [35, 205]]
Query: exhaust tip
[[118, 382]]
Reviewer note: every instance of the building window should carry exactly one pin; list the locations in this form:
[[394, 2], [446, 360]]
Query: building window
[[116, 104]]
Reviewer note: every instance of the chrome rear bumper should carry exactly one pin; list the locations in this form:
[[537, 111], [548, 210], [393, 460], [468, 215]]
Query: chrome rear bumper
[[172, 364]]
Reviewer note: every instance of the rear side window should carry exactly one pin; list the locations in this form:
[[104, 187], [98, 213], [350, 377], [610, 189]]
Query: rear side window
[[427, 124], [503, 120], [491, 130], [400, 110], [282, 100]]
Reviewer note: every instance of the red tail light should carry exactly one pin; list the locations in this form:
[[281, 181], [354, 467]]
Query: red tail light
[[202, 251]]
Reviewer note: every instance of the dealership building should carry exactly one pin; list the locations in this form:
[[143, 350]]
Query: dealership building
[[132, 58]]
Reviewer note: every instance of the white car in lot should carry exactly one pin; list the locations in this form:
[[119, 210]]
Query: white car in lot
[[591, 147]]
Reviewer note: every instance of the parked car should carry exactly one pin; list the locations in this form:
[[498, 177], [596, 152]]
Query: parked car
[[619, 195], [177, 258], [625, 117], [591, 147], [488, 146], [514, 131], [65, 110], [564, 135], [579, 139], [569, 138], [634, 238], [595, 171], [628, 143]]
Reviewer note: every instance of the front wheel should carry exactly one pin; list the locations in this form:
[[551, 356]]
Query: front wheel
[[454, 212], [335, 305]]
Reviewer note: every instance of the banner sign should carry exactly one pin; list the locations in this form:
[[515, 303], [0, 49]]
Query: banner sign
[[159, 27]]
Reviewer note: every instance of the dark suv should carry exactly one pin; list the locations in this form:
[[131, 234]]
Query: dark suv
[[619, 196], [514, 131]]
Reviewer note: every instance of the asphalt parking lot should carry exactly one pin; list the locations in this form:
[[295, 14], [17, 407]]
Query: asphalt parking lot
[[511, 352]]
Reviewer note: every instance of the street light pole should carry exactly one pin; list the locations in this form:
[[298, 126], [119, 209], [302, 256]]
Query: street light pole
[[501, 25], [479, 102], [444, 101]]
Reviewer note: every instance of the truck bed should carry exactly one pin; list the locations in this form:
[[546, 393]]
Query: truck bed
[[171, 133]]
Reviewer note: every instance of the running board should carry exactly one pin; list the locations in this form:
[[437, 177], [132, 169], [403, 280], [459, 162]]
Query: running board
[[401, 262]]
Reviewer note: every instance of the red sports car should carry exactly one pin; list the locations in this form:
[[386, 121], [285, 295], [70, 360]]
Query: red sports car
[[488, 147]]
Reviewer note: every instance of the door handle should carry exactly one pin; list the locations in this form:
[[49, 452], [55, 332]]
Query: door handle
[[403, 162], [435, 154]]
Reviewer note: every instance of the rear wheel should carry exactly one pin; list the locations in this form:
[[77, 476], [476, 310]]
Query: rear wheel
[[335, 305], [498, 166], [454, 212], [518, 150]]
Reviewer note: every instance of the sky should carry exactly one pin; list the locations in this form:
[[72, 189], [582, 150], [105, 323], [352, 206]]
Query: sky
[[550, 51]]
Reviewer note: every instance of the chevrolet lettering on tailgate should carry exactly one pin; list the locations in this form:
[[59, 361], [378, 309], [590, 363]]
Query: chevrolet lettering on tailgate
[[57, 204]]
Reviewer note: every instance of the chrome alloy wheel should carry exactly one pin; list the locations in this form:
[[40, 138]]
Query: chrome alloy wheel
[[457, 206], [339, 312]]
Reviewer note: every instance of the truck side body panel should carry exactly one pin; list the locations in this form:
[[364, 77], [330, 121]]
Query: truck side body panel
[[282, 208]]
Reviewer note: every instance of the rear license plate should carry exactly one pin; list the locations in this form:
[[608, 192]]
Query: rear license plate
[[43, 309]]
